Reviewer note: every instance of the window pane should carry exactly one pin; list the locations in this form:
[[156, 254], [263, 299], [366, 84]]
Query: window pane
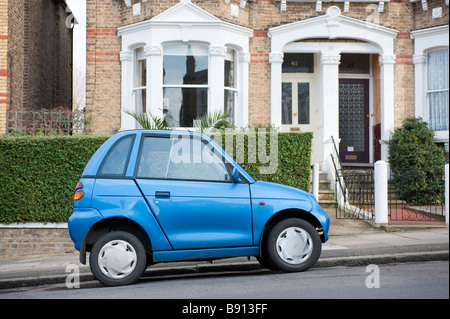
[[438, 84], [229, 73], [303, 103], [141, 100], [192, 159], [438, 70], [438, 111], [140, 70], [185, 64], [229, 103], [354, 63], [182, 157], [183, 105], [154, 160], [298, 63], [286, 103], [116, 160]]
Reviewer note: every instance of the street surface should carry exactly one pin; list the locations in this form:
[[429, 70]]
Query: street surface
[[390, 281]]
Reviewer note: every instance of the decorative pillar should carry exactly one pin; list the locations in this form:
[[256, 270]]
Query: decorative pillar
[[329, 91], [419, 61], [217, 73], [126, 121], [154, 56], [387, 63], [275, 60], [241, 111]]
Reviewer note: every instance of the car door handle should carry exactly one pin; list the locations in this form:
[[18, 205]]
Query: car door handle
[[162, 194]]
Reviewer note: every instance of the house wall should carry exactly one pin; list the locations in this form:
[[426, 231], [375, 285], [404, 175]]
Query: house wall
[[103, 47], [35, 56], [3, 63]]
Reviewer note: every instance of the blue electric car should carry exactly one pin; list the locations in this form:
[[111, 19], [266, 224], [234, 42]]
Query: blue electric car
[[148, 196]]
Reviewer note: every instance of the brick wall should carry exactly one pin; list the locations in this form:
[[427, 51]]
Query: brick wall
[[47, 57], [35, 56], [3, 63], [103, 47], [15, 242], [103, 66]]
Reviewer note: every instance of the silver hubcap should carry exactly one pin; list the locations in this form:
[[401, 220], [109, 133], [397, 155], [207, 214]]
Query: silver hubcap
[[294, 245], [117, 259]]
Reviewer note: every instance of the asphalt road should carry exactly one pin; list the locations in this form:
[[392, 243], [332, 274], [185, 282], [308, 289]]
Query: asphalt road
[[425, 280]]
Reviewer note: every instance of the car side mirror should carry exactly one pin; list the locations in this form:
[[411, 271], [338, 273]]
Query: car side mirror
[[235, 176]]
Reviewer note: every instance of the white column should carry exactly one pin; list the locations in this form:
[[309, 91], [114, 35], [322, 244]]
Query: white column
[[275, 60], [244, 59], [387, 63], [154, 56], [329, 90], [419, 61], [381, 192], [216, 78], [126, 121]]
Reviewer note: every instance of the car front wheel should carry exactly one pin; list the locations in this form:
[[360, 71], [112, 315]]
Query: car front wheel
[[292, 245], [118, 258]]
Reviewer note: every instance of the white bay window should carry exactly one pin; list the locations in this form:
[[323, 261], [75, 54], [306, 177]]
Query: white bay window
[[431, 68], [191, 63]]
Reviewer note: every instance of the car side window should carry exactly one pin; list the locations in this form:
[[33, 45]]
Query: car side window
[[181, 157], [116, 160]]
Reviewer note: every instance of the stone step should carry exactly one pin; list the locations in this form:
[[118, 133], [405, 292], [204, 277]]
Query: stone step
[[326, 203], [326, 195]]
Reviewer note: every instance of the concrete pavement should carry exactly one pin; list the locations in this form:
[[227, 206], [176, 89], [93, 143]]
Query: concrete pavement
[[351, 242]]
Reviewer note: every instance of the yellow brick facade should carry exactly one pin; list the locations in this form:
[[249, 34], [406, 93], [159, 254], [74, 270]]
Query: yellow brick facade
[[103, 47]]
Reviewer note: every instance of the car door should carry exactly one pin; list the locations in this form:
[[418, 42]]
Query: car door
[[188, 187]]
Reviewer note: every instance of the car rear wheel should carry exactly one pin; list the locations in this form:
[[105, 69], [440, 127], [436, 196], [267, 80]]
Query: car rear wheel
[[292, 245], [118, 258]]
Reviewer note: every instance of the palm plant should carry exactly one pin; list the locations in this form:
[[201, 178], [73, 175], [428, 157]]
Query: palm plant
[[217, 120], [149, 121]]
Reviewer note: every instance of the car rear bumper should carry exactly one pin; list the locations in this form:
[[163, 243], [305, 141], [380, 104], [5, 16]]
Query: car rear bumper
[[80, 222]]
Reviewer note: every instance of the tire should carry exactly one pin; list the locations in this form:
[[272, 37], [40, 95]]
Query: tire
[[118, 258], [292, 245]]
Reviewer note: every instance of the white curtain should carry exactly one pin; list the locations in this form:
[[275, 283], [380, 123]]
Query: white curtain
[[437, 92]]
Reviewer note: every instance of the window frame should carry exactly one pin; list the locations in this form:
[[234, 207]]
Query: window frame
[[228, 165], [139, 55], [127, 160], [231, 55], [295, 79], [186, 86], [427, 91]]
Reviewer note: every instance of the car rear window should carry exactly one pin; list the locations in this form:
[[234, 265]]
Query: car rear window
[[116, 161]]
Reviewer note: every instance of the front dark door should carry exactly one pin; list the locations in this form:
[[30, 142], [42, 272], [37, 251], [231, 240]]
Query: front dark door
[[354, 120]]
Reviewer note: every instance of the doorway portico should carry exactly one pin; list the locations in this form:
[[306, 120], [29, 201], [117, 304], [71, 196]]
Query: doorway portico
[[328, 37]]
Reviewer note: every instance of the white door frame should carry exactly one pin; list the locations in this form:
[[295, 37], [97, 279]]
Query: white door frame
[[332, 25]]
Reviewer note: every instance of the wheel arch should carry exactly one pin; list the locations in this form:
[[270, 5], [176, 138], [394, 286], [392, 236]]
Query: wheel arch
[[111, 224], [292, 213]]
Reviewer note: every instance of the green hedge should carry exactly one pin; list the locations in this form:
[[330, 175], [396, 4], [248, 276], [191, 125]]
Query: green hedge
[[38, 174], [291, 167]]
